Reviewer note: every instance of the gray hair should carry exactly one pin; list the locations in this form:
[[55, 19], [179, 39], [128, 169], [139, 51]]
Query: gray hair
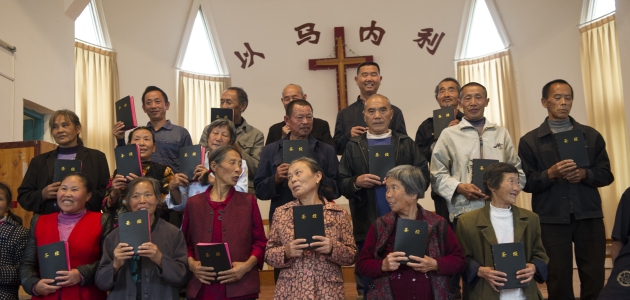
[[295, 85], [157, 190], [411, 179], [223, 122]]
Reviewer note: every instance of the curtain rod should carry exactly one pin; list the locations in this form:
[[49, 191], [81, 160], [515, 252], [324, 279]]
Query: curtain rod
[[7, 46], [595, 20]]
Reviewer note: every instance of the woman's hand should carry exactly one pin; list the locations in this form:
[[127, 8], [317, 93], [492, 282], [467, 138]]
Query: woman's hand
[[324, 246], [180, 179], [43, 287], [494, 278], [238, 270], [199, 171], [423, 265], [152, 252], [392, 261], [122, 252], [68, 278], [294, 248], [204, 274], [526, 274]]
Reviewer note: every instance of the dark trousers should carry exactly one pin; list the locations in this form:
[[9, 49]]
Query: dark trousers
[[588, 239], [363, 283]]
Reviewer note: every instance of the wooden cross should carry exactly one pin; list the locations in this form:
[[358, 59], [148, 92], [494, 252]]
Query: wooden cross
[[340, 62]]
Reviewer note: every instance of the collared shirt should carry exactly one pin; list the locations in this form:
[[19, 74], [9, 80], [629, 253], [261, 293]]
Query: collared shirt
[[168, 139]]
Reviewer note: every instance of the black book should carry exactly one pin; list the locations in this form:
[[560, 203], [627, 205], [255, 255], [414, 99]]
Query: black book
[[294, 149], [308, 220], [63, 167], [411, 237], [509, 258], [52, 258], [441, 118], [572, 145], [126, 113], [215, 255], [189, 158], [128, 160], [480, 166], [221, 113], [381, 160], [134, 228]]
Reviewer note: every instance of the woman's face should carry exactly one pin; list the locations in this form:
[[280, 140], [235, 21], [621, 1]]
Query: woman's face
[[508, 190], [143, 198], [229, 170], [144, 140], [64, 132], [218, 136], [302, 181], [72, 195], [4, 203], [396, 197]]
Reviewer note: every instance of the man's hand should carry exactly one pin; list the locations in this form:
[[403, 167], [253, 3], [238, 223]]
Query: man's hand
[[118, 131], [424, 264], [471, 191], [392, 261], [495, 278], [294, 248], [357, 131], [50, 191], [281, 173], [576, 175], [367, 181], [453, 123], [526, 274], [561, 169], [285, 130]]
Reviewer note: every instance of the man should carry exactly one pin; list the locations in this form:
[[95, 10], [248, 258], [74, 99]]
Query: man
[[168, 137], [474, 137], [446, 95], [350, 122], [321, 129], [566, 197], [366, 192], [248, 138]]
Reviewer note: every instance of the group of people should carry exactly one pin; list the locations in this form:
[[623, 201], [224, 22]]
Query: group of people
[[219, 205]]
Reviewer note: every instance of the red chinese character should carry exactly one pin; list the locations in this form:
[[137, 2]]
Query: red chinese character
[[306, 36], [374, 33], [249, 53], [424, 36]]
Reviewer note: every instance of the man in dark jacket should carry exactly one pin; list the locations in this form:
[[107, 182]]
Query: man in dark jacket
[[566, 198], [366, 192], [321, 129], [350, 122]]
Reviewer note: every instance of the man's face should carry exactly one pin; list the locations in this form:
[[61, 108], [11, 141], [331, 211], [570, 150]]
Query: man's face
[[558, 102], [378, 114], [300, 122], [155, 106], [448, 94], [291, 93], [368, 80], [229, 99], [474, 101]]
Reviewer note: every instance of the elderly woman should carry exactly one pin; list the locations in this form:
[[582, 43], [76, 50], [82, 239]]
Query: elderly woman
[[83, 230], [38, 191], [420, 278], [223, 215], [221, 132], [310, 274], [500, 221], [159, 269]]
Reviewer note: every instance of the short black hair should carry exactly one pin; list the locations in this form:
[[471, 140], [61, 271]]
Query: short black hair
[[300, 102], [547, 87], [9, 199], [87, 182], [241, 95], [153, 88], [141, 128], [472, 83], [368, 63], [493, 175], [437, 87]]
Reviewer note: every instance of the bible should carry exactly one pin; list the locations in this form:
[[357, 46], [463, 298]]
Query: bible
[[134, 228], [479, 166], [126, 113], [441, 118], [509, 258], [381, 160], [308, 220], [64, 167], [411, 238], [189, 158], [128, 160], [215, 255], [572, 145], [52, 258], [221, 113], [292, 150]]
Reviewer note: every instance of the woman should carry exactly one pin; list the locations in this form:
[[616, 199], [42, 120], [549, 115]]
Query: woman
[[221, 132], [500, 221], [83, 230], [38, 191], [159, 269], [12, 242], [420, 278], [223, 215], [310, 274], [117, 188]]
